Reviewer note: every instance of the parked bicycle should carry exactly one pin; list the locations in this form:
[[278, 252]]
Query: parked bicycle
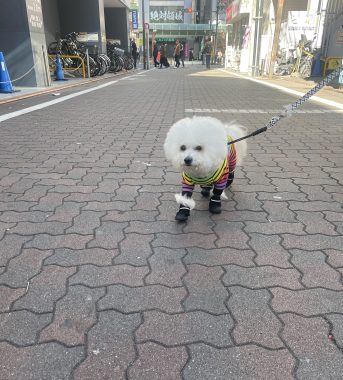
[[296, 62], [99, 64]]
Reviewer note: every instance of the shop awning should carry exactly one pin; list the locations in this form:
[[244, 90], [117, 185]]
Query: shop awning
[[179, 29]]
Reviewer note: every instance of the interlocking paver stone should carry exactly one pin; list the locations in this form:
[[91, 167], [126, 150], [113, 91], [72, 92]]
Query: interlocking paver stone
[[74, 314], [255, 322], [43, 361], [185, 328], [312, 242], [22, 327], [316, 272], [134, 249], [231, 234], [154, 227], [110, 347], [72, 241], [315, 223], [156, 362], [24, 216], [166, 266], [205, 289], [246, 362], [85, 223], [152, 297], [269, 250], [21, 268], [8, 296], [315, 206], [127, 216], [307, 302], [44, 289], [261, 277], [10, 246], [219, 256], [94, 276], [279, 211], [318, 357], [29, 228], [70, 258], [108, 235], [274, 228], [184, 240], [335, 257]]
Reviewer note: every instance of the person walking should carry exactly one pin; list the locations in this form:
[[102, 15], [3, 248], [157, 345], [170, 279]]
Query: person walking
[[207, 51], [154, 54], [163, 59], [182, 55], [134, 53], [177, 53]]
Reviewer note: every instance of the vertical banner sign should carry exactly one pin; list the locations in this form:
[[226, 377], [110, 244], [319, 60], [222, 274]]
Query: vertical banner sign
[[34, 14], [134, 19]]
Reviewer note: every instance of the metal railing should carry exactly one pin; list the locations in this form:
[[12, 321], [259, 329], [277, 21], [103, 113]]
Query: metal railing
[[52, 63]]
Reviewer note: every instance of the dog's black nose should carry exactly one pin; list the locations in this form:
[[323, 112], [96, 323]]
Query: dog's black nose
[[188, 160]]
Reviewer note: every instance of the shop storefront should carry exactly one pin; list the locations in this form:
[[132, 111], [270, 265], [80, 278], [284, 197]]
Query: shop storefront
[[238, 19]]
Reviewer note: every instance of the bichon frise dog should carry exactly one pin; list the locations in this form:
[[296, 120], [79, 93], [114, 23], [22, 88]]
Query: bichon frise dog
[[198, 147]]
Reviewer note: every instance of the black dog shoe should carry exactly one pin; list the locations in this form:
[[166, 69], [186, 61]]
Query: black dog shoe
[[215, 205], [205, 191], [183, 213]]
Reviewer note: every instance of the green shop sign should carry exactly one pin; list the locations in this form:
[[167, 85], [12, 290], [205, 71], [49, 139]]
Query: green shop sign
[[165, 39]]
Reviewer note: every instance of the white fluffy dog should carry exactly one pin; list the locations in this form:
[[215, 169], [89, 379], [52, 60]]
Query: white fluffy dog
[[198, 147]]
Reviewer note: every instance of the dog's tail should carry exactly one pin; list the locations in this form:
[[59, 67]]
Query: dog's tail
[[236, 131]]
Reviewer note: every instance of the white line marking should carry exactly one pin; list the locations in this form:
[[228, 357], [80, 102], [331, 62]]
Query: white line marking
[[214, 110], [288, 90], [11, 115]]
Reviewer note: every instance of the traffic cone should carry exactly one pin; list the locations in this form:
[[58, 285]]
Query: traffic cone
[[5, 81], [59, 70], [340, 79]]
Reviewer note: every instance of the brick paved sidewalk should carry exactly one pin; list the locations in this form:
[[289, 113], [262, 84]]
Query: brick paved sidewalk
[[97, 281]]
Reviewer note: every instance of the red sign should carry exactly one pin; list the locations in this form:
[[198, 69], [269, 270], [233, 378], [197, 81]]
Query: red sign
[[232, 10], [229, 14]]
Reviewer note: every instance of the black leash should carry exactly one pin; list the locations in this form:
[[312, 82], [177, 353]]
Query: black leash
[[291, 108]]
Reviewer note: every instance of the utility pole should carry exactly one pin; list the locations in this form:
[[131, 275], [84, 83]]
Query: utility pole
[[145, 42], [278, 19], [216, 35], [257, 36]]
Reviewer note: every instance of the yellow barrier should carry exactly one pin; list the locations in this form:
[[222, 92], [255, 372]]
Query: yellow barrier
[[53, 57], [331, 63]]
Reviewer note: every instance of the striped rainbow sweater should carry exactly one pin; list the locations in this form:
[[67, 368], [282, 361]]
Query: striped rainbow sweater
[[218, 178]]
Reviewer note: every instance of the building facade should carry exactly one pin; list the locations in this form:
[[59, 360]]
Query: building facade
[[251, 25], [27, 27]]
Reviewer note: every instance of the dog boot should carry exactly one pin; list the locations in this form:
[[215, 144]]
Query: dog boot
[[183, 213], [215, 205], [205, 191]]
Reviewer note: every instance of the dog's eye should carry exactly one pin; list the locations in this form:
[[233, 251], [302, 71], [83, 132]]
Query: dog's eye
[[199, 148], [183, 147]]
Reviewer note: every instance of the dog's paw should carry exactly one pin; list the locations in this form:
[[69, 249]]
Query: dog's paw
[[215, 206], [183, 214]]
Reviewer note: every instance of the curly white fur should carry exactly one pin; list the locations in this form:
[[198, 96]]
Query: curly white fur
[[203, 140], [182, 200]]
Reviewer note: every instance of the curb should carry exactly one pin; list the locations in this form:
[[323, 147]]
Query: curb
[[42, 92], [318, 99]]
